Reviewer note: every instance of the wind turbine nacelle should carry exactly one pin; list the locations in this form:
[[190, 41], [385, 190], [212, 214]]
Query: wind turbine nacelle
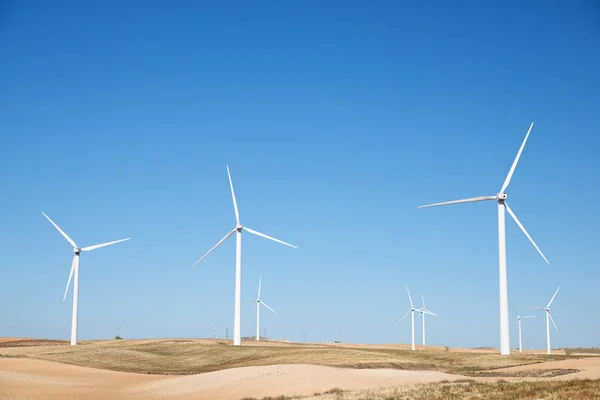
[[501, 196]]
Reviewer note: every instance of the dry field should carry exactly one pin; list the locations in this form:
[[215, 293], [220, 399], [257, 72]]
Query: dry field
[[213, 369], [574, 389]]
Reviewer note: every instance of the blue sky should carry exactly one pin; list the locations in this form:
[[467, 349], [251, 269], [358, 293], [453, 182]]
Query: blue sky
[[337, 120]]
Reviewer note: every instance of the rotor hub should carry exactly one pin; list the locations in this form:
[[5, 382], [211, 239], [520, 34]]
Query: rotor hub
[[77, 250], [239, 227], [501, 196]]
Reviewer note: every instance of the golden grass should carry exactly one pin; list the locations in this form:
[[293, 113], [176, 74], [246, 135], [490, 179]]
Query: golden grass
[[576, 389], [182, 357]]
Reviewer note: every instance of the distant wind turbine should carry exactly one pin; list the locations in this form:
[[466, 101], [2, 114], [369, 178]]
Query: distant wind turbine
[[422, 311], [258, 303], [75, 271], [502, 206], [412, 311], [548, 319], [519, 318], [237, 322]]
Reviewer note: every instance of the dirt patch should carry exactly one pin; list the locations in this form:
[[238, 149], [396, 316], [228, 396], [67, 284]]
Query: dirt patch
[[278, 380]]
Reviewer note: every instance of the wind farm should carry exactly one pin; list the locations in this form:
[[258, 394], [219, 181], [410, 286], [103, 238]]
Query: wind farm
[[214, 364], [292, 174]]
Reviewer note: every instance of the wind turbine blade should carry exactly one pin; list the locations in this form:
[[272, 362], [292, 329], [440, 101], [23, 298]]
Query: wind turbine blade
[[552, 299], [423, 299], [512, 214], [259, 282], [268, 237], [514, 165], [529, 316], [536, 308], [409, 298], [430, 312], [404, 316], [253, 301], [215, 246], [516, 313], [553, 323], [265, 304], [419, 314], [61, 231], [97, 246], [235, 207], [470, 200], [70, 276]]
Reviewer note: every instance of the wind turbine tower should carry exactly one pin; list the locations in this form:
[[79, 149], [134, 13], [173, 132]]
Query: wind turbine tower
[[75, 274], [422, 312], [548, 319], [412, 312], [500, 198], [237, 320], [259, 302], [519, 318]]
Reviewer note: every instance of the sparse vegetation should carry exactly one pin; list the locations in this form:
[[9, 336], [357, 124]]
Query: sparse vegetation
[[33, 343], [531, 373], [581, 350], [271, 398], [576, 389], [183, 357]]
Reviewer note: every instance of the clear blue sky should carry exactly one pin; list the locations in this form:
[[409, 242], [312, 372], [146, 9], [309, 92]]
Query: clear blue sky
[[337, 119]]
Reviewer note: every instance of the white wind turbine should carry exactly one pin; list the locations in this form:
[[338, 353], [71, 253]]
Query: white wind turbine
[[548, 319], [422, 311], [237, 322], [258, 303], [519, 318], [75, 271], [412, 312], [502, 206]]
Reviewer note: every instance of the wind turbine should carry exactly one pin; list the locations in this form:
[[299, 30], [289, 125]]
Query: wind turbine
[[422, 311], [548, 319], [237, 322], [75, 271], [258, 303], [502, 206], [412, 311], [519, 318]]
